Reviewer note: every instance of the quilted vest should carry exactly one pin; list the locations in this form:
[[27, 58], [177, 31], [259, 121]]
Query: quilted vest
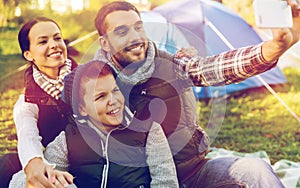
[[171, 102], [52, 117], [125, 157]]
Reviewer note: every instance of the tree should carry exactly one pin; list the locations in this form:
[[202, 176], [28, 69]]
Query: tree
[[8, 8]]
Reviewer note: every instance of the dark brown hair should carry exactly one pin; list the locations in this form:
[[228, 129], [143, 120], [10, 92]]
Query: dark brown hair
[[109, 8]]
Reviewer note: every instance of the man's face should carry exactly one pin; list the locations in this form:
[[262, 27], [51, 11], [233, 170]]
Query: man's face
[[125, 37]]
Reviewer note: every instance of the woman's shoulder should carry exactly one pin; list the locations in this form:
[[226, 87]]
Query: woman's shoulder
[[22, 105]]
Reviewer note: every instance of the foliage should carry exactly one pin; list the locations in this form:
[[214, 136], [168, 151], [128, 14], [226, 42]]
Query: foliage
[[243, 8], [7, 10], [9, 41]]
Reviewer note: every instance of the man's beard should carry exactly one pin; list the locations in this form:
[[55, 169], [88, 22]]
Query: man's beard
[[126, 62]]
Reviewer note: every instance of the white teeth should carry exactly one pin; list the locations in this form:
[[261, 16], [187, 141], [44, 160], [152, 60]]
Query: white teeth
[[55, 54], [114, 111], [138, 48]]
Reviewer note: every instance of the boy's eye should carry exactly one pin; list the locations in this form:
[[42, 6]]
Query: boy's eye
[[116, 90], [99, 97]]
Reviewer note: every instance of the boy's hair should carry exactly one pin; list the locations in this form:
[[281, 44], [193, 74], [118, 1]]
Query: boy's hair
[[75, 81], [99, 21]]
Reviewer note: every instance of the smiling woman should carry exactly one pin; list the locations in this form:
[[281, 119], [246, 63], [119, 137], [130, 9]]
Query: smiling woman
[[39, 112]]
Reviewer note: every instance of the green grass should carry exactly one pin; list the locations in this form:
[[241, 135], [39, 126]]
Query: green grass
[[255, 120]]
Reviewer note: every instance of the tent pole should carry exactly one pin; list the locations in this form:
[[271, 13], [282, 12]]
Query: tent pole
[[222, 37]]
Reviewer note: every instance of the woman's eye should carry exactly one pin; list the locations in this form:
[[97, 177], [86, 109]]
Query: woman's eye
[[43, 42], [58, 38]]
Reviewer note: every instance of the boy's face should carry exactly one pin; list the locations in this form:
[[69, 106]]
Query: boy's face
[[125, 37], [103, 102]]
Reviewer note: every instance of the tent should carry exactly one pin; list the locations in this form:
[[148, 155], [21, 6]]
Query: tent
[[212, 28]]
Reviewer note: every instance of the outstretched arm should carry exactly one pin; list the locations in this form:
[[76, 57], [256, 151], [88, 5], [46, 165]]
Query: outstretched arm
[[237, 65]]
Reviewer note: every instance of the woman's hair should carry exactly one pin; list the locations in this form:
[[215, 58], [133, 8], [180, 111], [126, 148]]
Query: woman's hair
[[23, 37], [74, 82], [99, 21]]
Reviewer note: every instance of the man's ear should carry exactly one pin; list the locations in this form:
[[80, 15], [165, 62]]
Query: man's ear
[[104, 44], [28, 56], [82, 111]]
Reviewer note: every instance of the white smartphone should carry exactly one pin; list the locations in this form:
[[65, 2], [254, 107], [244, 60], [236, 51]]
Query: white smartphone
[[272, 14]]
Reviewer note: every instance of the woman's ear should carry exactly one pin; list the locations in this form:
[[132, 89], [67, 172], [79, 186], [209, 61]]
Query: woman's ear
[[104, 44], [28, 56], [82, 111]]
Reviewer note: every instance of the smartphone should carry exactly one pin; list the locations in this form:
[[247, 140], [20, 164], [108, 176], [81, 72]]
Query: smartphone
[[272, 14]]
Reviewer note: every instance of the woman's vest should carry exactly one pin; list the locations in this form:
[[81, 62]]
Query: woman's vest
[[52, 117], [123, 159], [171, 102]]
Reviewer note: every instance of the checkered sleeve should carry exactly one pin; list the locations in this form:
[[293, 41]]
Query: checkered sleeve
[[225, 68]]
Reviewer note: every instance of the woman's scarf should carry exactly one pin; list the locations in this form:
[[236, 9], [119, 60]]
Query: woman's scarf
[[141, 75], [50, 86]]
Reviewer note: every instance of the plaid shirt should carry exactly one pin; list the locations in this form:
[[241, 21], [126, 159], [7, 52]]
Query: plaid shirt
[[226, 68]]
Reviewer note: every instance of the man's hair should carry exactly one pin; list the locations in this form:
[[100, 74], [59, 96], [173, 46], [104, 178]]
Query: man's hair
[[109, 8]]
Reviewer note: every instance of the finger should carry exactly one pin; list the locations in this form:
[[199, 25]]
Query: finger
[[58, 184], [62, 178], [50, 174], [40, 181], [69, 178]]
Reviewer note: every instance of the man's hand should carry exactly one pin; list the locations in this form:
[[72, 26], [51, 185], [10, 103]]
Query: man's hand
[[283, 39]]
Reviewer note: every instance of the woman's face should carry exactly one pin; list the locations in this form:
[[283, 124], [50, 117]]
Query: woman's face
[[47, 49], [103, 102]]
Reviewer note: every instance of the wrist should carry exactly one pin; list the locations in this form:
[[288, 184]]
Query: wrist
[[31, 162]]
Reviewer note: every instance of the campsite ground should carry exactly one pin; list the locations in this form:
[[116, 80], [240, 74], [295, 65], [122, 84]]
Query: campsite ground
[[253, 120]]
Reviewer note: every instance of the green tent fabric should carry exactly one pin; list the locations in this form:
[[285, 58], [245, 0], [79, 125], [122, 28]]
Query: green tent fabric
[[288, 171]]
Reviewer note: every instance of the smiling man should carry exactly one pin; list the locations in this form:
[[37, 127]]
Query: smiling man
[[157, 87]]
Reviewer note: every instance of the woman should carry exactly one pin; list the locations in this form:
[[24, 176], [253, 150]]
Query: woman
[[39, 113], [104, 145]]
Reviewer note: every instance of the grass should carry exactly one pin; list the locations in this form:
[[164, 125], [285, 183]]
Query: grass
[[253, 120]]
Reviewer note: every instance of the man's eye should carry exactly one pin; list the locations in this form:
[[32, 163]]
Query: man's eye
[[121, 32], [139, 28]]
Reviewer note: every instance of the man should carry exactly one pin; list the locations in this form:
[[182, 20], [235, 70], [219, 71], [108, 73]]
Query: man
[[157, 86]]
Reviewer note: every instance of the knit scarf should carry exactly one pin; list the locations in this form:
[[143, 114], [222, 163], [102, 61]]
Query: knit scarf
[[50, 86], [141, 75]]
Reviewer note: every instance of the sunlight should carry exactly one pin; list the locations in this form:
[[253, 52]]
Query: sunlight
[[60, 6]]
